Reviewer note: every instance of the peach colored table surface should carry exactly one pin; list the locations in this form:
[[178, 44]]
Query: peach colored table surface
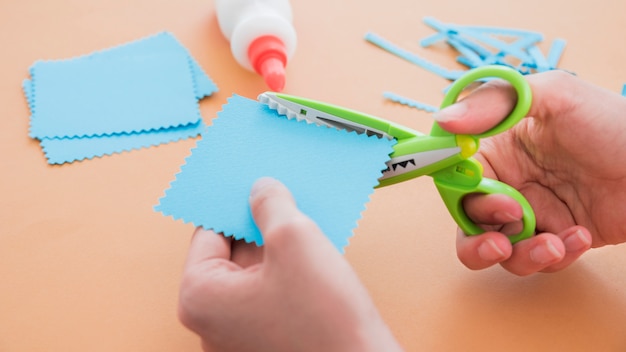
[[87, 265]]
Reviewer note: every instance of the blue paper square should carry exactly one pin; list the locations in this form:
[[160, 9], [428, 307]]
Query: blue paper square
[[163, 43], [66, 150], [62, 150], [98, 96], [330, 172]]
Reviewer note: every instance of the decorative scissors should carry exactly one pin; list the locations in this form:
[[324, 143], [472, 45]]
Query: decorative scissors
[[444, 156]]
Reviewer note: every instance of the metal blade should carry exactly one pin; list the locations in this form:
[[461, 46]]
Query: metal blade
[[300, 112], [411, 162]]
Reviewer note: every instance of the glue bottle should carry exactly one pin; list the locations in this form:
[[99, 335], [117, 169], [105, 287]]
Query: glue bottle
[[262, 37]]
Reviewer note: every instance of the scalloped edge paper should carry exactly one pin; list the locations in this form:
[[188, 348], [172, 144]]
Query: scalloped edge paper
[[65, 150], [99, 96], [331, 173]]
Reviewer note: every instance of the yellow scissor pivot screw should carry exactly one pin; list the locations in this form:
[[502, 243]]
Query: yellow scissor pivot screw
[[468, 145]]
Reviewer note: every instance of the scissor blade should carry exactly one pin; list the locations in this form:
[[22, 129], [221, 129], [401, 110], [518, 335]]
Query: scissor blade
[[304, 112], [284, 107], [411, 162]]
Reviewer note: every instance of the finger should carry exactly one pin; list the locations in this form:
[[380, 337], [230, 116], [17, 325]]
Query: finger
[[208, 257], [554, 91], [492, 209], [535, 254], [206, 245], [489, 104], [577, 240], [246, 254], [484, 250], [271, 204], [480, 111], [288, 233]]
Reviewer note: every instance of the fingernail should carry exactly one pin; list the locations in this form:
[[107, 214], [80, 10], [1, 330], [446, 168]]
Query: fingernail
[[489, 251], [260, 185], [451, 113], [544, 253], [505, 217], [576, 241]]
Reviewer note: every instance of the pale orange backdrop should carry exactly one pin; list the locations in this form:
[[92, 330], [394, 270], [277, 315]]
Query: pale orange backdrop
[[87, 265]]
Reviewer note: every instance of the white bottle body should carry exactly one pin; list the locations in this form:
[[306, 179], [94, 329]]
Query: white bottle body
[[243, 21]]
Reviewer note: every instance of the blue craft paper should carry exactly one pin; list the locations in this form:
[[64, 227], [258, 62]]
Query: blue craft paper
[[65, 150], [163, 42], [330, 172], [98, 96], [160, 43], [61, 150]]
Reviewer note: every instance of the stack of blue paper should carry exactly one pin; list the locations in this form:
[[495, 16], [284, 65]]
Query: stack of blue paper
[[136, 95]]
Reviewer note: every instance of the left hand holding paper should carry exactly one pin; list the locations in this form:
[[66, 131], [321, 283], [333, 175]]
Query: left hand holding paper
[[296, 293]]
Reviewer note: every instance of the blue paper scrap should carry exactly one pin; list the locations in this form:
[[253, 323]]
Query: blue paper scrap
[[411, 57], [330, 172], [410, 102], [158, 50], [478, 46]]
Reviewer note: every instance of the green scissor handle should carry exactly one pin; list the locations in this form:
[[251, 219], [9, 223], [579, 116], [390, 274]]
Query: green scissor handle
[[457, 181], [522, 88], [466, 176]]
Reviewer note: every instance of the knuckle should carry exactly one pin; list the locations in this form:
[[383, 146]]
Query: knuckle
[[292, 226]]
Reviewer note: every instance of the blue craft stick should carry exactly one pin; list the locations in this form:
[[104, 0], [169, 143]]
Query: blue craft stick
[[458, 37], [624, 90], [469, 57], [409, 102], [540, 62], [432, 39], [523, 68], [556, 50], [450, 31], [500, 45], [445, 31], [437, 25], [466, 62], [412, 58], [526, 42], [496, 59], [510, 32], [472, 45], [462, 33], [524, 38]]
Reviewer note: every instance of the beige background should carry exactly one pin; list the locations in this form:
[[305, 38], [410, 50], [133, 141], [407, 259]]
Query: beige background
[[87, 265]]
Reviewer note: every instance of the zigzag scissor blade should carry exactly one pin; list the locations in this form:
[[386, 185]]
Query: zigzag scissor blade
[[283, 107], [306, 113], [415, 161], [311, 115]]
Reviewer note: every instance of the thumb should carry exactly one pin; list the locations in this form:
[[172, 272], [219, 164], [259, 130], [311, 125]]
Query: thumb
[[289, 236], [481, 110]]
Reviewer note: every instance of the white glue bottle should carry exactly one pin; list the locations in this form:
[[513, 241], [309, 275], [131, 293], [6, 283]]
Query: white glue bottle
[[262, 37]]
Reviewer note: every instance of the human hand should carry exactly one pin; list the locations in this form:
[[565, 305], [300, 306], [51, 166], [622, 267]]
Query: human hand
[[296, 293], [568, 159]]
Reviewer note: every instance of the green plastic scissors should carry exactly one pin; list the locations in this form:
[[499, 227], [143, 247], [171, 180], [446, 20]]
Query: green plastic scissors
[[444, 156]]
